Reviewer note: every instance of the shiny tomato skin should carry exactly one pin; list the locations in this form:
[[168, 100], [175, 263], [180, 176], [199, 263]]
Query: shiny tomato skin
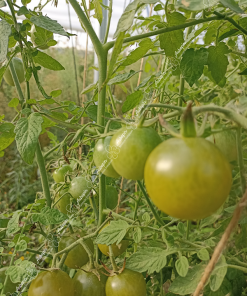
[[101, 157], [64, 204], [88, 284], [19, 69], [77, 257], [52, 283], [130, 148], [43, 31], [111, 197], [10, 287], [188, 178], [60, 173], [226, 142], [79, 187], [127, 283]]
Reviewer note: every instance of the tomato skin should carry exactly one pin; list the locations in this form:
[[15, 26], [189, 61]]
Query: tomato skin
[[128, 282], [79, 187], [10, 287], [77, 257], [52, 283], [129, 150], [60, 173], [111, 197], [64, 204], [33, 37], [101, 156], [88, 284], [18, 65], [226, 142], [188, 178]]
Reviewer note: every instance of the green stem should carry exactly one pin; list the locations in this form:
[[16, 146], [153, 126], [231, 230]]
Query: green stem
[[102, 198], [117, 216], [89, 253], [43, 173], [237, 267], [112, 101], [240, 159], [161, 283], [136, 207], [157, 217], [109, 21], [188, 229], [16, 82], [61, 263], [112, 259]]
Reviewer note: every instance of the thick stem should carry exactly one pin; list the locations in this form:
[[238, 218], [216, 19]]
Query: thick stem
[[112, 259], [102, 198], [16, 82], [43, 174], [241, 160]]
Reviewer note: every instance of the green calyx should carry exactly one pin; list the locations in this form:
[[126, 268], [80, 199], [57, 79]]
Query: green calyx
[[187, 124]]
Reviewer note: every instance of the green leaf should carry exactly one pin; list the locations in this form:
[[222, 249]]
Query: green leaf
[[42, 36], [22, 270], [47, 102], [225, 290], [98, 10], [2, 3], [148, 259], [181, 228], [218, 274], [244, 72], [21, 246], [135, 55], [47, 61], [49, 216], [5, 30], [2, 71], [89, 88], [23, 11], [121, 78], [187, 285], [137, 235], [56, 93], [218, 61], [203, 255], [192, 64], [182, 266], [48, 24], [27, 133], [13, 224], [7, 135], [114, 233], [195, 5], [132, 101], [232, 5], [13, 103]]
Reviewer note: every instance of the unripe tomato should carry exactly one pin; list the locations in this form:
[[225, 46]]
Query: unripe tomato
[[129, 150], [101, 158], [10, 287], [226, 142], [53, 282], [188, 178], [77, 257], [60, 173], [42, 32], [87, 283], [111, 197], [64, 204], [117, 249], [19, 69], [127, 283], [80, 187]]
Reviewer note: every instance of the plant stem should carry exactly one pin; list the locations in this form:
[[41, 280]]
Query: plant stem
[[157, 217], [16, 82], [112, 259], [188, 229], [109, 21], [240, 159], [43, 174]]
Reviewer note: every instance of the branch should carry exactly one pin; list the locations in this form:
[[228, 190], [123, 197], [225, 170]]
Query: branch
[[222, 244]]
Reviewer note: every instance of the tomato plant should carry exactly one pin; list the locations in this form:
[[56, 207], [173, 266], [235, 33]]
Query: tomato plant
[[40, 42], [59, 174], [10, 287], [63, 200], [18, 65], [79, 187]]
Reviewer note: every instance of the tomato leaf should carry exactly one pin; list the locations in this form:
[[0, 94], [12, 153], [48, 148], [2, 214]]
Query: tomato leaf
[[47, 61], [203, 255], [218, 274], [132, 101], [2, 3], [182, 266], [232, 5], [13, 224], [121, 78], [114, 233], [49, 216], [195, 5], [7, 135], [98, 10], [22, 270], [5, 30], [137, 235], [27, 133], [192, 64]]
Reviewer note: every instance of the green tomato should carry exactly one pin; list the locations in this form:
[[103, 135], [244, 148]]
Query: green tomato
[[101, 158], [10, 287], [130, 148], [77, 257], [127, 283], [64, 205], [87, 283], [53, 282], [188, 178], [60, 173], [111, 197], [19, 69], [73, 164], [226, 142], [80, 187], [43, 37]]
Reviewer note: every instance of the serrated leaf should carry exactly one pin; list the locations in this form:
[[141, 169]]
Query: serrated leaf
[[121, 78], [192, 64], [13, 224], [182, 266], [232, 5], [137, 236], [47, 61], [22, 270], [148, 259], [114, 233], [218, 274], [7, 135], [27, 134], [5, 30], [132, 101], [195, 5], [49, 216], [42, 36], [48, 24], [203, 255], [187, 285], [98, 10], [218, 61], [47, 102]]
